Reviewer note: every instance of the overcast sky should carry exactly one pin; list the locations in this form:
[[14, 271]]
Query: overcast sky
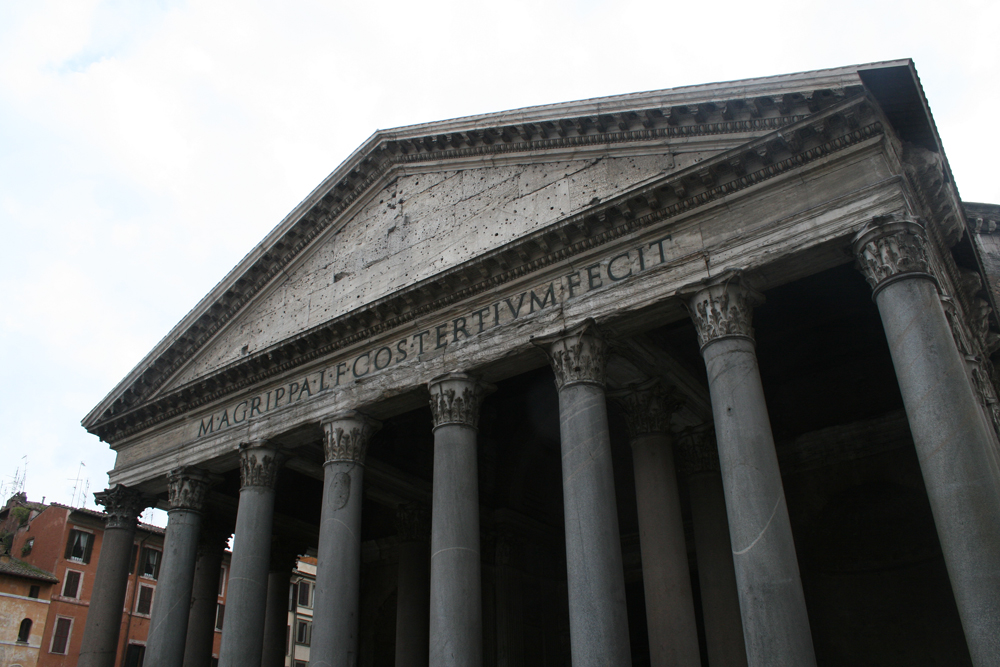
[[145, 147]]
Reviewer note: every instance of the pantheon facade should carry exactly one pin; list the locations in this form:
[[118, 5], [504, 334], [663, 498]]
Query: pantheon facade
[[700, 376]]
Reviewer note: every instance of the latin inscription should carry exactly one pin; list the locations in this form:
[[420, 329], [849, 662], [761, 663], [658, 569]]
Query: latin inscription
[[596, 276]]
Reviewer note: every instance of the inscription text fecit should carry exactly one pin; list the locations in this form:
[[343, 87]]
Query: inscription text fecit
[[610, 271]]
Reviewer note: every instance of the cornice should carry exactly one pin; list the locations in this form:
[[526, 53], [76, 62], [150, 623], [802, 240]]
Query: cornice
[[790, 145]]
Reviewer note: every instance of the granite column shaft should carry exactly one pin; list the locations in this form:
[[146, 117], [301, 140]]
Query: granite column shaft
[[413, 595], [775, 622], [246, 601], [666, 574], [200, 638], [338, 563], [949, 433], [168, 622], [99, 647], [456, 613], [598, 616]]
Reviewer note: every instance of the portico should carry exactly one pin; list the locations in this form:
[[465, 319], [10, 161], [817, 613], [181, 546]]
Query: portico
[[436, 332]]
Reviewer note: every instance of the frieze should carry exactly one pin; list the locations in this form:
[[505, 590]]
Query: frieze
[[456, 399], [608, 221], [187, 488], [722, 307], [346, 437], [890, 248], [122, 505], [259, 464], [578, 355]]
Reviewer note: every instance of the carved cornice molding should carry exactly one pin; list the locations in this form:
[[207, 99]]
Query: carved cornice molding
[[456, 399], [648, 407], [722, 307], [346, 437], [797, 144], [413, 523], [698, 451], [891, 248], [122, 506], [260, 461], [578, 355], [187, 488]]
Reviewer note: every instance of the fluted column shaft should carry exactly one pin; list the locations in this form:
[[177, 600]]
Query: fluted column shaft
[[243, 630], [414, 587], [775, 623], [950, 436], [456, 613], [338, 562], [104, 616], [200, 638], [666, 577], [598, 617], [720, 601], [187, 488]]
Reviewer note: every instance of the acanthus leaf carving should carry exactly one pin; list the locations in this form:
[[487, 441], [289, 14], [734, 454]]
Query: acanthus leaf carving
[[699, 452], [722, 307], [578, 355], [259, 464], [346, 437], [648, 407], [413, 522], [187, 488], [890, 248], [122, 506], [456, 399]]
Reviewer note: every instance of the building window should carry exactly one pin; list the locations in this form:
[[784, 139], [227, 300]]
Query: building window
[[302, 632], [24, 631], [71, 584], [134, 655], [150, 563], [305, 590], [34, 591], [222, 581], [79, 546], [220, 614], [145, 601], [60, 636], [301, 663]]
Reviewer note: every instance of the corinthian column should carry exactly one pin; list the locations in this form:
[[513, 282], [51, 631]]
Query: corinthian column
[[187, 489], [775, 623], [598, 620], [338, 562], [456, 611], [284, 555], [104, 616], [666, 578], [950, 436], [720, 601], [414, 587], [243, 631], [205, 593]]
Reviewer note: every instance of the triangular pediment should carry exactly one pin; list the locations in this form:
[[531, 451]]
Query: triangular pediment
[[452, 203]]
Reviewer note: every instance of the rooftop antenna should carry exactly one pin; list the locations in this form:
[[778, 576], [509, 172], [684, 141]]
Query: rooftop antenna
[[76, 484]]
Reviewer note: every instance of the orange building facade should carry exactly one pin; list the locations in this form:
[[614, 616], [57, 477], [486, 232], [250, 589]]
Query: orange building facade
[[67, 542]]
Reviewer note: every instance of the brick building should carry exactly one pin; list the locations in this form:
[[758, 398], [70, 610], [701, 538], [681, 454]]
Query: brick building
[[24, 606], [64, 543]]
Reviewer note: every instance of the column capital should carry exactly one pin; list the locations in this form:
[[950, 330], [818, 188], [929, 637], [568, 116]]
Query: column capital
[[260, 461], [346, 436], [122, 505], [699, 452], [456, 399], [578, 355], [413, 522], [891, 248], [187, 488], [722, 307], [648, 407]]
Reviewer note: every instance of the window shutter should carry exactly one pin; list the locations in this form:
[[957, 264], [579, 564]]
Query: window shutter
[[69, 545], [89, 548]]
